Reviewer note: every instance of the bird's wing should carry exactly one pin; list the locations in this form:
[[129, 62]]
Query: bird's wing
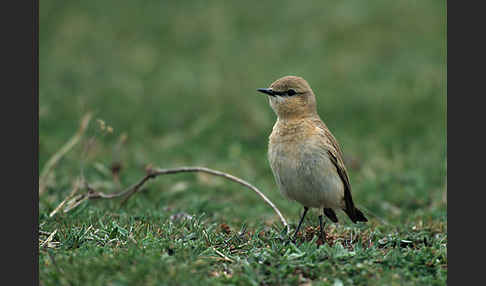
[[336, 157], [334, 150]]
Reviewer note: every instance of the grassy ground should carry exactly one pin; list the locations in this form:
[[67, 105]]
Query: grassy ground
[[179, 81]]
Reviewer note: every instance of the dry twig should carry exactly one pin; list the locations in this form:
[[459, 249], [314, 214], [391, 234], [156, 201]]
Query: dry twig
[[152, 173]]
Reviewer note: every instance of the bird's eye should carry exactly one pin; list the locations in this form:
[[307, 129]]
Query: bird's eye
[[291, 92]]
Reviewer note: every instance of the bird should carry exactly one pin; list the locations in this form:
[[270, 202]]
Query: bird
[[305, 158]]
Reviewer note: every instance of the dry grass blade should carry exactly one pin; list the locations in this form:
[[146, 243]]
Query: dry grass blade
[[76, 201], [225, 258], [73, 192], [51, 163], [49, 239]]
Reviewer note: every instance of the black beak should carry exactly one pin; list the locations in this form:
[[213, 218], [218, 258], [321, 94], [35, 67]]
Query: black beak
[[267, 91]]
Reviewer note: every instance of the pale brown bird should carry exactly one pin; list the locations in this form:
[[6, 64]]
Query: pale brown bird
[[304, 156]]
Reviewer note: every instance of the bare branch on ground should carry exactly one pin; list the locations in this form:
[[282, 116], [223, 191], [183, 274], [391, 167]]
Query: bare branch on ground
[[152, 173]]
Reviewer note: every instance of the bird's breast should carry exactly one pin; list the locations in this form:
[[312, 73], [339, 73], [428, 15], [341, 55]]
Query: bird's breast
[[302, 168]]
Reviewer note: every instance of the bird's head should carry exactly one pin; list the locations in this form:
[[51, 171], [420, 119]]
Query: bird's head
[[291, 97]]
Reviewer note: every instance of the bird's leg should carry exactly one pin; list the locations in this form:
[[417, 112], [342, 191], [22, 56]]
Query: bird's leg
[[300, 223], [322, 233]]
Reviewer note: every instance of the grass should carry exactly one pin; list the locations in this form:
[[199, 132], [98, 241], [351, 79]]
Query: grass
[[179, 81]]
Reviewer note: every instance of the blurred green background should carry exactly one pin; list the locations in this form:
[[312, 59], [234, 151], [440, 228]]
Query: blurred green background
[[179, 78]]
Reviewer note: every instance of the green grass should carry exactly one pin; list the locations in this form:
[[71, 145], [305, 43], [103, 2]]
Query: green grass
[[180, 80]]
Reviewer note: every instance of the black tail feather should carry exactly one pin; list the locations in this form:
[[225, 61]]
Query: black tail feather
[[360, 216], [330, 214], [356, 215]]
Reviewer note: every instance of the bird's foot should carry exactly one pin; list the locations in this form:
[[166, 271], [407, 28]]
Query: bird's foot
[[322, 233], [321, 241]]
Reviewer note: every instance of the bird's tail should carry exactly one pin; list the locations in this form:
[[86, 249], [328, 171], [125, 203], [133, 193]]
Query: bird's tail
[[356, 215]]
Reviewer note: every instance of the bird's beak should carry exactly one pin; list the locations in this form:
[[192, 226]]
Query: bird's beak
[[267, 91]]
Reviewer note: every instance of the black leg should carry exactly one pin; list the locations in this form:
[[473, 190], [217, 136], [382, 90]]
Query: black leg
[[300, 223], [323, 234]]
